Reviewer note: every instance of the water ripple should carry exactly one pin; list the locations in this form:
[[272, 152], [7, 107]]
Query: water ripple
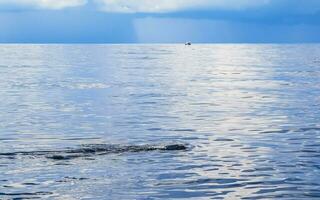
[[247, 114]]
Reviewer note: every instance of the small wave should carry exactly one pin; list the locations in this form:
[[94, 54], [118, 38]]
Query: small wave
[[25, 194], [183, 130], [145, 58], [224, 140], [4, 66], [89, 86], [70, 178], [95, 149], [16, 66], [308, 129]]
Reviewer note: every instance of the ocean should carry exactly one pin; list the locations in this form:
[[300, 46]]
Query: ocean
[[169, 121]]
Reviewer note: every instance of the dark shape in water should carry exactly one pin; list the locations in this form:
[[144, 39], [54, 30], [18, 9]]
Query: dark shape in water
[[175, 147], [95, 149]]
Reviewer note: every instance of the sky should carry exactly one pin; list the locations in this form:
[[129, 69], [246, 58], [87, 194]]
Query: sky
[[159, 21]]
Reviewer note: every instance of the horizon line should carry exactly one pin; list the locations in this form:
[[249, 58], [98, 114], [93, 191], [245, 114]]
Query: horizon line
[[145, 43]]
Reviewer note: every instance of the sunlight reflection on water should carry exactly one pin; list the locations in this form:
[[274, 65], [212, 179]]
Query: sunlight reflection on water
[[249, 113]]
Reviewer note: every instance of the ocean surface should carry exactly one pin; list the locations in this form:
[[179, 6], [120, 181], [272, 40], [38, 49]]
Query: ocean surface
[[224, 121]]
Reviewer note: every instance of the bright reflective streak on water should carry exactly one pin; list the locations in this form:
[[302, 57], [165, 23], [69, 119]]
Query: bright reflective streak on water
[[249, 114]]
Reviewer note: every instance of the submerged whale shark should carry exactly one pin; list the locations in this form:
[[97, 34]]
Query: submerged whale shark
[[95, 149]]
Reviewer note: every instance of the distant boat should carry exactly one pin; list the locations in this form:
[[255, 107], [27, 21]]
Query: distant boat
[[188, 43]]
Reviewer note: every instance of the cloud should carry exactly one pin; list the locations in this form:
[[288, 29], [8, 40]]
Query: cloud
[[162, 6], [41, 4], [202, 7]]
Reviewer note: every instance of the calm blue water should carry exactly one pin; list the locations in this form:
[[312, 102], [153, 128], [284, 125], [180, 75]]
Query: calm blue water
[[248, 114]]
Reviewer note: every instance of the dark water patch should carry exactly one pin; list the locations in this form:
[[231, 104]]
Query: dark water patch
[[189, 167], [215, 181], [30, 184], [275, 131], [25, 194], [308, 129], [69, 179], [272, 190], [183, 130], [81, 138], [315, 194], [256, 175], [95, 149], [148, 95], [133, 52], [7, 139], [211, 169], [312, 145], [4, 66], [154, 129], [66, 157], [299, 151], [264, 169], [145, 58], [62, 164], [190, 138], [218, 186], [171, 176], [298, 139], [156, 51], [183, 194], [289, 195], [204, 104], [223, 140], [147, 103]]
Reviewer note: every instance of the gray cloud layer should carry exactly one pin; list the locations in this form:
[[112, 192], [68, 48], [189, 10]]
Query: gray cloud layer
[[41, 4], [169, 6]]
